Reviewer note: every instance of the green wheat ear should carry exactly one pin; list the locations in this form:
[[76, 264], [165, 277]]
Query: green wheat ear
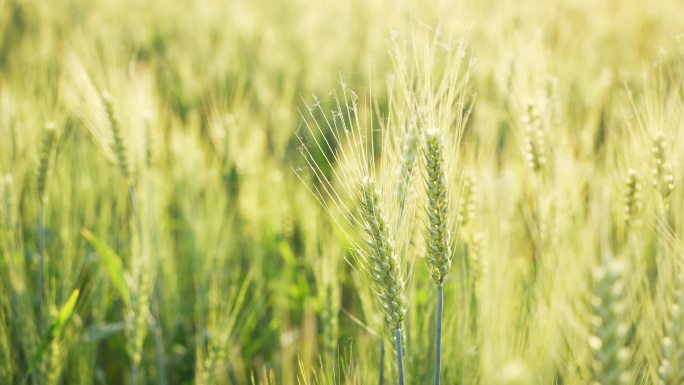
[[47, 149], [437, 237], [663, 177], [610, 354], [382, 262], [632, 196], [535, 143], [468, 203], [117, 135], [409, 153], [438, 242], [384, 266], [671, 370]]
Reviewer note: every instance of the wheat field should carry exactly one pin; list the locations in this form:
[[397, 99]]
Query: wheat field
[[384, 192]]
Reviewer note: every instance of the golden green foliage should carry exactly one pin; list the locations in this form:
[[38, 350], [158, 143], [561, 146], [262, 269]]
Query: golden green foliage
[[507, 146]]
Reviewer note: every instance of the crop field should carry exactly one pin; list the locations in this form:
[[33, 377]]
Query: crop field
[[391, 192]]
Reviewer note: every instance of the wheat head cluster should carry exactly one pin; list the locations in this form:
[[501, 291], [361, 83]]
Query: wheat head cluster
[[340, 193]]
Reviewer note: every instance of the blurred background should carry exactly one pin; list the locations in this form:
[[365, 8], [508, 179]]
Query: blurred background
[[203, 258]]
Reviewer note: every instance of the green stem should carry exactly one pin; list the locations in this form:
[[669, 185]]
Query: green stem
[[381, 372], [41, 267], [134, 374], [158, 339], [135, 213], [400, 359], [138, 248], [438, 334]]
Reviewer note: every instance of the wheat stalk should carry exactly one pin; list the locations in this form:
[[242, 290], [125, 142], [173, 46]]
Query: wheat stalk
[[140, 301], [383, 265], [360, 195], [436, 92], [45, 160], [437, 232]]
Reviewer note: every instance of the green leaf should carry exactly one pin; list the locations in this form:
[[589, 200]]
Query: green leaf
[[112, 264], [97, 333], [53, 332], [287, 253]]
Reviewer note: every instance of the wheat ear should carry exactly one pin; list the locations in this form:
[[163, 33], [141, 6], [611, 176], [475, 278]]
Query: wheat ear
[[45, 159], [610, 355], [383, 264], [632, 197], [663, 177], [438, 246]]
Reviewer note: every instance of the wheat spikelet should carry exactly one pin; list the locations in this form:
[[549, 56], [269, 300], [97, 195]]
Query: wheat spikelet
[[535, 143], [437, 233], [610, 355], [382, 262], [329, 317], [52, 365], [47, 149], [330, 298], [467, 206], [671, 369], [661, 170], [361, 200], [139, 328], [115, 127], [408, 162], [222, 321], [140, 305], [352, 184], [632, 196]]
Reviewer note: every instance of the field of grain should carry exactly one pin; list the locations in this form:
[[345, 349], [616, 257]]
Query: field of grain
[[342, 192]]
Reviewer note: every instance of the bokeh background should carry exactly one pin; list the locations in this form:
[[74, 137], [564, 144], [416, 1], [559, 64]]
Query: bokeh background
[[222, 267]]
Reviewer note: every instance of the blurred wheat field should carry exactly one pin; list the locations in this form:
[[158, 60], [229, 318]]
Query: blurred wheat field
[[270, 192]]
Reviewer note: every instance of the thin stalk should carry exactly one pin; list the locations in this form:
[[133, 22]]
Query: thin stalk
[[438, 333], [400, 356], [381, 371], [138, 228], [464, 284], [40, 294], [155, 320], [134, 374], [135, 213], [41, 266], [158, 340]]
